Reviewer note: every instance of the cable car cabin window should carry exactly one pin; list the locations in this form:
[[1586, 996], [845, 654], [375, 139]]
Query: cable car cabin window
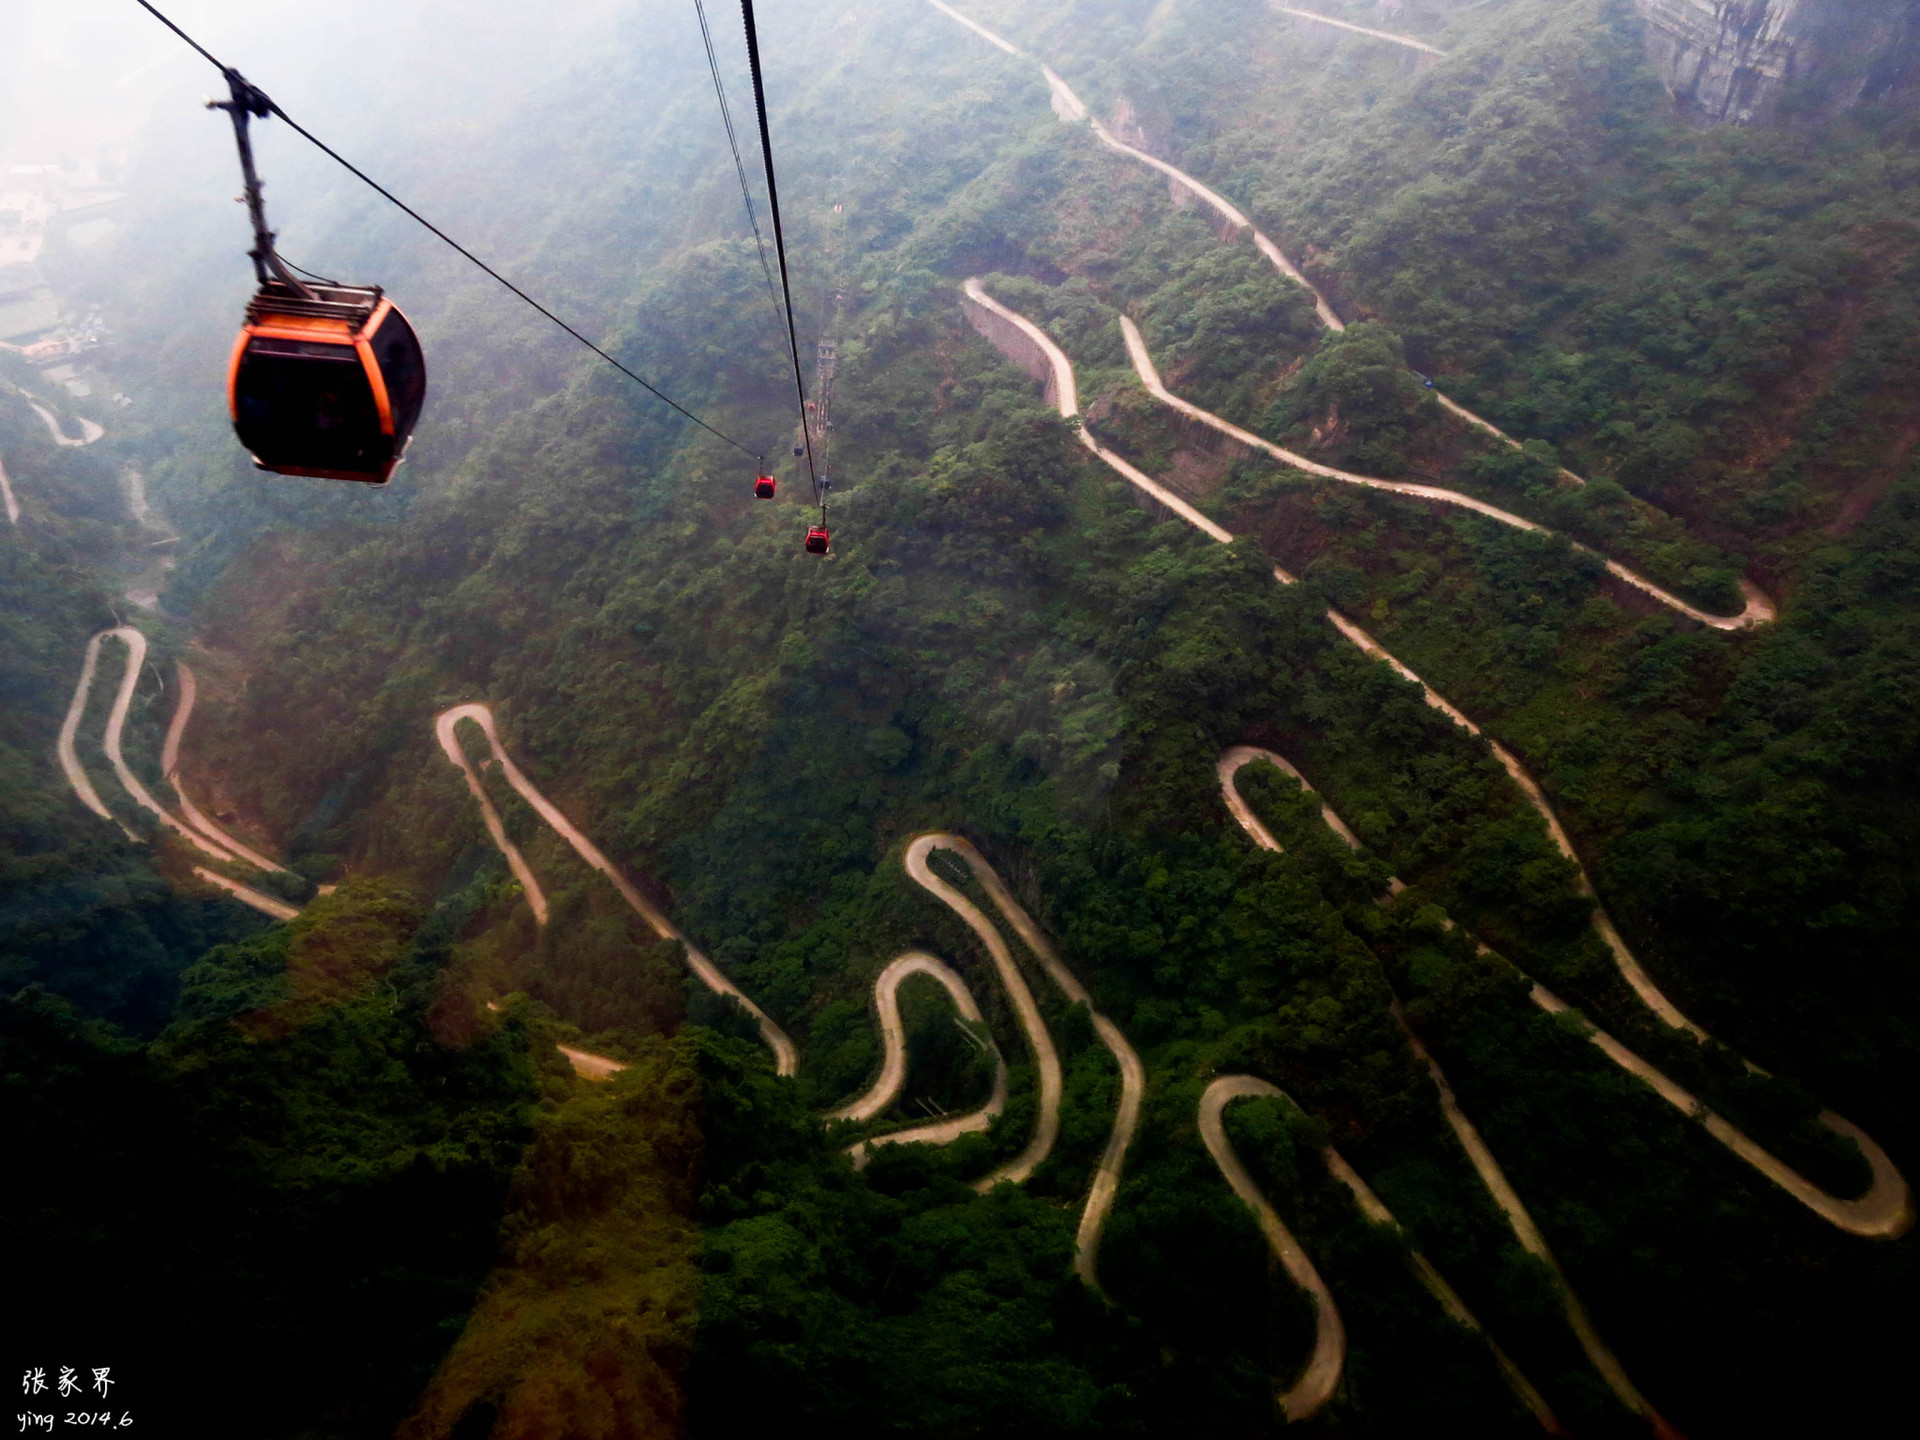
[[397, 352], [307, 405]]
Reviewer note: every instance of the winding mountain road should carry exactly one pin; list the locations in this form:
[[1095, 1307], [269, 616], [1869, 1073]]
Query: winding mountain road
[[446, 724], [892, 1079], [886, 1088], [197, 830], [1758, 610], [203, 833], [1322, 1374], [1318, 1381], [189, 687], [90, 430], [1133, 1075], [1599, 1354], [136, 644], [1070, 108], [77, 777], [1407, 41], [6, 497], [1046, 1059], [1886, 1210]]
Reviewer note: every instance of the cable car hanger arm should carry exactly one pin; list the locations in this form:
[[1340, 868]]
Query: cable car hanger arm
[[246, 102]]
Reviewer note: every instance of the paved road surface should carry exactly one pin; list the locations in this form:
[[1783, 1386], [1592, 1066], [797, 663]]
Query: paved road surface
[[89, 430], [893, 1070], [1322, 1376], [786, 1058], [1407, 40], [170, 768], [1887, 1208], [1069, 107], [246, 895], [202, 833], [1598, 1352], [1758, 611], [1133, 1075], [1046, 1059], [136, 644], [1884, 1212]]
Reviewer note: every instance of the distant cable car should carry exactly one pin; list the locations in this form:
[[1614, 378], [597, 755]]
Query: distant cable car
[[326, 380], [817, 540], [764, 487], [328, 383]]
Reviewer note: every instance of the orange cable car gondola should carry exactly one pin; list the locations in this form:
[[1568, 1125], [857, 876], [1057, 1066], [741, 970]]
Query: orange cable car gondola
[[326, 380], [326, 384], [764, 487]]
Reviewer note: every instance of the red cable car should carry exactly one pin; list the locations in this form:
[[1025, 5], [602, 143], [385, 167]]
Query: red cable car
[[817, 540], [764, 487]]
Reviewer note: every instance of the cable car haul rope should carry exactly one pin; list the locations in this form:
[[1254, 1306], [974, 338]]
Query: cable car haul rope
[[328, 380]]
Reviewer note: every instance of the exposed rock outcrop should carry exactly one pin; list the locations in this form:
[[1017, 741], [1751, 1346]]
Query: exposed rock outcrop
[[1737, 61]]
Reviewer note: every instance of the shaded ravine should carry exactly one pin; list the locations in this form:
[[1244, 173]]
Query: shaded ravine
[[144, 588], [1321, 1377], [1758, 611], [1597, 1351], [1069, 107], [1886, 1211]]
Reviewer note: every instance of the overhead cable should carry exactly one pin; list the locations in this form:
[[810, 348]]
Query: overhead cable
[[780, 244], [733, 143], [453, 244]]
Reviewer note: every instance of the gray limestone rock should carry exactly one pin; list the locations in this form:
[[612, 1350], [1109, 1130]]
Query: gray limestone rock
[[1738, 61]]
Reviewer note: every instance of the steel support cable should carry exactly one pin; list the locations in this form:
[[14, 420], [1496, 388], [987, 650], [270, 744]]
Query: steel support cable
[[733, 144], [779, 245], [453, 244]]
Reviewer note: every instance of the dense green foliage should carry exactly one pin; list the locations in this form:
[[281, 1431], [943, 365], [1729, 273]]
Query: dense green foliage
[[328, 1197], [83, 912], [337, 1122]]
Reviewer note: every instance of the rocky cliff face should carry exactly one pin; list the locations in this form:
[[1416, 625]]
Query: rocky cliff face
[[1736, 61]]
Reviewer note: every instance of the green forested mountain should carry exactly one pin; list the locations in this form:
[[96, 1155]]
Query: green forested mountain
[[346, 1153]]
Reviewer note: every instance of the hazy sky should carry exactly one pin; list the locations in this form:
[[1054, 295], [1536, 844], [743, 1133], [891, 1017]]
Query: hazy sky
[[75, 72]]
